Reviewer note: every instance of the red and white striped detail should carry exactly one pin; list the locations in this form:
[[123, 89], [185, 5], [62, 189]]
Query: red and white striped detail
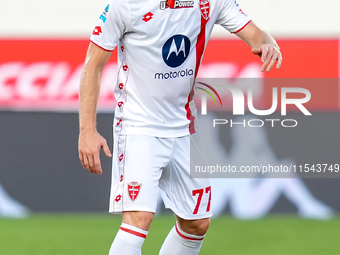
[[187, 236], [200, 45], [133, 232], [121, 143]]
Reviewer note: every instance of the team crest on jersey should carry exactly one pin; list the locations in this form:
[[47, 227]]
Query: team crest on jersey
[[176, 4], [133, 189], [205, 8]]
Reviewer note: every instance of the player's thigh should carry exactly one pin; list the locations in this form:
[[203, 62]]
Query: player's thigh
[[189, 198], [137, 168]]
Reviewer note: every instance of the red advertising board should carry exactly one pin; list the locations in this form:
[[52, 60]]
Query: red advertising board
[[44, 74]]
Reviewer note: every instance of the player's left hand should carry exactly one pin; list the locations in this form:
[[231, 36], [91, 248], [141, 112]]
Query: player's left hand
[[269, 55]]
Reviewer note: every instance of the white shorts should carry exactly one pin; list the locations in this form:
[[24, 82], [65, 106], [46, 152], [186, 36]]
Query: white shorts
[[144, 165]]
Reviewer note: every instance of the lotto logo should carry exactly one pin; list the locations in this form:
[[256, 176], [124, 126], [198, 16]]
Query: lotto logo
[[119, 122], [120, 104], [125, 68], [122, 48], [121, 85], [147, 17], [121, 178], [118, 198], [121, 157], [97, 30]]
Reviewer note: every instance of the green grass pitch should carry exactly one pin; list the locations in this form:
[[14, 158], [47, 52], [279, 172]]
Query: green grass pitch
[[56, 234]]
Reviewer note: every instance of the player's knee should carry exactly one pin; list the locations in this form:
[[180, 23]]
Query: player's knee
[[194, 227], [140, 220], [201, 226]]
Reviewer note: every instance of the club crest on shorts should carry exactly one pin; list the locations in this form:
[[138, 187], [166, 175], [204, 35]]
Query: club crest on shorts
[[205, 8], [133, 189]]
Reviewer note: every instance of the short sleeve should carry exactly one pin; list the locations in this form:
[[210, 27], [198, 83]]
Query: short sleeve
[[112, 24], [231, 16]]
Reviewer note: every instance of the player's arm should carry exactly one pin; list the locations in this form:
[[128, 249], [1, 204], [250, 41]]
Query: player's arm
[[263, 45], [90, 141]]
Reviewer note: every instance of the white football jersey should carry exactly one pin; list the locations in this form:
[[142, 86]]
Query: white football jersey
[[160, 47]]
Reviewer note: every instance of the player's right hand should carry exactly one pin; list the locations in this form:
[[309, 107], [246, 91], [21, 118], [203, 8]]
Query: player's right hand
[[89, 145], [269, 54]]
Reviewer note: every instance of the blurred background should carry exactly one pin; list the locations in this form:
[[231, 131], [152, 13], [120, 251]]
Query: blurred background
[[42, 49]]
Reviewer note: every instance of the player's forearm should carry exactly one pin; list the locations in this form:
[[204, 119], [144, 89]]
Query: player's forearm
[[88, 97], [255, 37], [96, 59], [261, 37]]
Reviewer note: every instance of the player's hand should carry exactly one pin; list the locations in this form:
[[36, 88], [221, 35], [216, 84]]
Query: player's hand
[[89, 145], [269, 55]]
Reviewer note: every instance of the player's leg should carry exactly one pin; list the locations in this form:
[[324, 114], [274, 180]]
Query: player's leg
[[186, 237], [137, 167], [197, 227], [132, 233], [189, 198], [140, 220]]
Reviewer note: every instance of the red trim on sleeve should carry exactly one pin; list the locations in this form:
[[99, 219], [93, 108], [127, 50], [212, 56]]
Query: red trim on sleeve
[[100, 46], [242, 27], [133, 232], [185, 237]]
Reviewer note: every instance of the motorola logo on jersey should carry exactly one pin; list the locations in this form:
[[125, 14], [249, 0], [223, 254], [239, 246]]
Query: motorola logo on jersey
[[173, 75], [176, 50]]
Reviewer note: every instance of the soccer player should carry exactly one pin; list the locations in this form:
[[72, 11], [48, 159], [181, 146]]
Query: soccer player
[[160, 48]]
